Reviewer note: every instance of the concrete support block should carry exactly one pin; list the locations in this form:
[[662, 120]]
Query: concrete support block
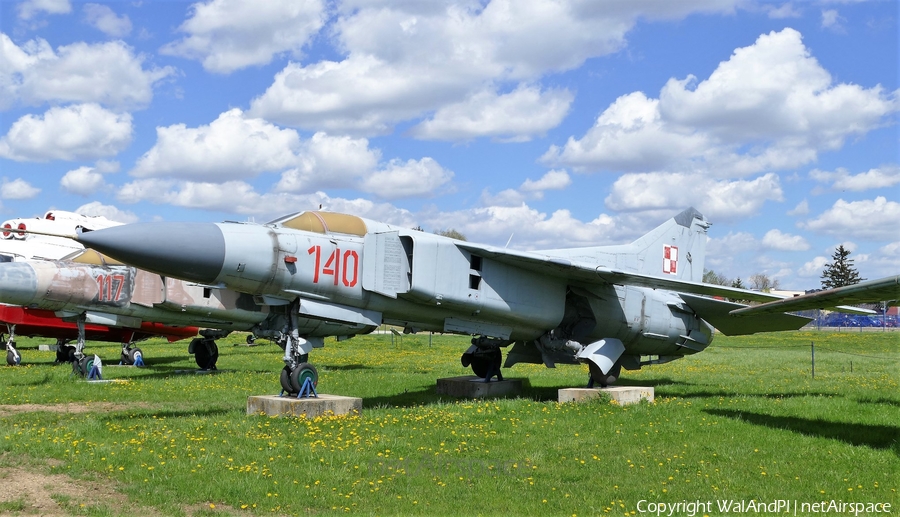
[[622, 395], [472, 387], [274, 405]]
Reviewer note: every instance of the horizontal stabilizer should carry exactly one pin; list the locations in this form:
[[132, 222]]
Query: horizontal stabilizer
[[717, 313]]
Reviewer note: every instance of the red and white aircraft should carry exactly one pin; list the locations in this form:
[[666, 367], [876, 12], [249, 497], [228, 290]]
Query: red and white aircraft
[[17, 245]]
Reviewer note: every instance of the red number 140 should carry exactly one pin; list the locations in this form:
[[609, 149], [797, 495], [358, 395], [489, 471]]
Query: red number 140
[[337, 265]]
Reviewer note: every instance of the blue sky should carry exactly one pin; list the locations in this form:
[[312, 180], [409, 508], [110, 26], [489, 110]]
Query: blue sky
[[557, 124]]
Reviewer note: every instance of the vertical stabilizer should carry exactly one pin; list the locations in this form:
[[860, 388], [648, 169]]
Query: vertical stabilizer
[[674, 249]]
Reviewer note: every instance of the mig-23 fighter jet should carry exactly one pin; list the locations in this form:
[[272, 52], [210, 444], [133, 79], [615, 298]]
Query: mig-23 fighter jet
[[335, 274]]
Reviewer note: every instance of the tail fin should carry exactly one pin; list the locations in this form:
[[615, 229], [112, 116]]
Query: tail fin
[[675, 249]]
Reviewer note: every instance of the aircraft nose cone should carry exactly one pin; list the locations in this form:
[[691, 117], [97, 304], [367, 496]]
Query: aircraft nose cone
[[189, 251], [18, 283]]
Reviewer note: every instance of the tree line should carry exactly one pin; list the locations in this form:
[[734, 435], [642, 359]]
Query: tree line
[[837, 273]]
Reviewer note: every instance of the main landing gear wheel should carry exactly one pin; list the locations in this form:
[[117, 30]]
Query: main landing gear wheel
[[131, 356], [206, 354], [485, 364], [65, 353], [292, 380], [604, 379]]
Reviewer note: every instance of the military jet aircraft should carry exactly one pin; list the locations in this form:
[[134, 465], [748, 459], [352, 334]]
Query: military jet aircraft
[[340, 275], [18, 243]]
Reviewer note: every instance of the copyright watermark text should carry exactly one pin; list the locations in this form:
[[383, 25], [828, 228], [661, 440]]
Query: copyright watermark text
[[775, 506]]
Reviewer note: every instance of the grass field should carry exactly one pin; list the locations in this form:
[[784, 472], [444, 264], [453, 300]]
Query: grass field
[[742, 421]]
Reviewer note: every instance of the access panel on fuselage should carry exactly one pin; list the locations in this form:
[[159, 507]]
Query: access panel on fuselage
[[440, 274], [386, 263]]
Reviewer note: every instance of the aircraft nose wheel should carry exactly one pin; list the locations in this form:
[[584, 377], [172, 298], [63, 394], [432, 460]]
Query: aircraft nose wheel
[[82, 366], [293, 379]]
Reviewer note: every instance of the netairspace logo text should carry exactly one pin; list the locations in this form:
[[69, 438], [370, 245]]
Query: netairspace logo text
[[776, 506]]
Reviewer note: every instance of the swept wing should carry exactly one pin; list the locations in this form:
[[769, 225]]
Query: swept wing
[[864, 292]]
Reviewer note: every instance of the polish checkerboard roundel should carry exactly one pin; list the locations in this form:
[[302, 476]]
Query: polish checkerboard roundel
[[670, 259]]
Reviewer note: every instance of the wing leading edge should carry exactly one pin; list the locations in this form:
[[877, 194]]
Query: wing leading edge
[[883, 289]]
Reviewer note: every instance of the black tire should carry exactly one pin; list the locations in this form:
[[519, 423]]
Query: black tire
[[133, 354], [251, 339], [194, 345], [286, 380], [299, 375], [604, 379], [480, 365], [206, 354], [484, 363], [64, 353], [12, 357], [83, 366]]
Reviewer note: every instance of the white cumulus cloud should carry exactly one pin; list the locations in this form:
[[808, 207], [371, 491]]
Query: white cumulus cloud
[[841, 179], [18, 189], [82, 131], [770, 106], [106, 20], [405, 60], [725, 200], [868, 219], [813, 268], [83, 181], [518, 115], [108, 73], [230, 147], [96, 208], [227, 35], [412, 178], [29, 8], [553, 180], [833, 20], [776, 240], [329, 161]]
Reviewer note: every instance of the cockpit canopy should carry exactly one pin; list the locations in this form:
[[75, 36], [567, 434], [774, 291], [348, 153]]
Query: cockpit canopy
[[324, 222], [94, 258]]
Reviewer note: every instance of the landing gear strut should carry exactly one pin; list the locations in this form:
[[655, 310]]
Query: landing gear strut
[[13, 357], [81, 365], [298, 374]]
